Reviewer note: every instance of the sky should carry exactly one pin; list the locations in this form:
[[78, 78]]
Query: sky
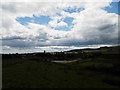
[[57, 26]]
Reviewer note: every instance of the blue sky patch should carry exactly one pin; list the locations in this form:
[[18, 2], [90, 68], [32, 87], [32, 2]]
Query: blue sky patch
[[34, 19], [113, 8], [41, 19], [24, 20], [74, 10], [68, 20], [63, 28]]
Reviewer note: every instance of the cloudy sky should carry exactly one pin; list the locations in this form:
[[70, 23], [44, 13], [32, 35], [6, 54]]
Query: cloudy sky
[[57, 25]]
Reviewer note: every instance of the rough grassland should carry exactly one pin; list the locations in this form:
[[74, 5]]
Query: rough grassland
[[100, 70], [30, 74]]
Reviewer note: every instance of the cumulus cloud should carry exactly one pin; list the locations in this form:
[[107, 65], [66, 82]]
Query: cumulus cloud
[[93, 25], [56, 24]]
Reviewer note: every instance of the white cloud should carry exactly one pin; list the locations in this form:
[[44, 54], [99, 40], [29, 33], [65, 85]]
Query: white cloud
[[90, 25], [62, 24], [56, 24]]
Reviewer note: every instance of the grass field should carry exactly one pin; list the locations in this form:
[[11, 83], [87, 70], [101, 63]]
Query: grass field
[[30, 74], [100, 72]]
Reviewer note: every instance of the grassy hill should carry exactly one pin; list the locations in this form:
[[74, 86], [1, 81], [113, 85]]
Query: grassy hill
[[102, 71]]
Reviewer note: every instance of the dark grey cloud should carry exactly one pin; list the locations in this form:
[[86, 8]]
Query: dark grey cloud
[[17, 43], [43, 37], [57, 37], [13, 38], [108, 27], [9, 7]]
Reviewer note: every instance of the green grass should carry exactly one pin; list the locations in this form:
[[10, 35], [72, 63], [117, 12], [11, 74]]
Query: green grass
[[30, 74], [99, 72], [96, 65], [114, 50]]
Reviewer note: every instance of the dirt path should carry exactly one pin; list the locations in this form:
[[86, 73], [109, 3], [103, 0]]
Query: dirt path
[[65, 61]]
